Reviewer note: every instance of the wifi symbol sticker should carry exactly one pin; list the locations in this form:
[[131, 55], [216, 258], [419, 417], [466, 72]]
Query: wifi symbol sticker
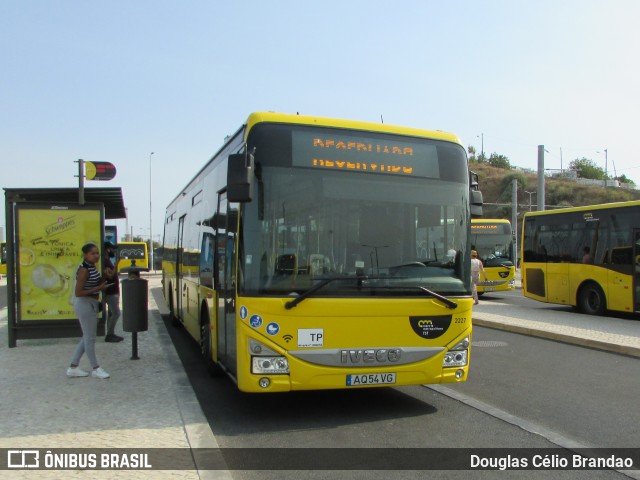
[[287, 338]]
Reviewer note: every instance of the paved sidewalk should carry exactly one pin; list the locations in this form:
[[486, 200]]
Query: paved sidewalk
[[147, 403], [619, 334]]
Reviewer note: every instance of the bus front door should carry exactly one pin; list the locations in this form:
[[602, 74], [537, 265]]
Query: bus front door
[[180, 286], [636, 269], [226, 253]]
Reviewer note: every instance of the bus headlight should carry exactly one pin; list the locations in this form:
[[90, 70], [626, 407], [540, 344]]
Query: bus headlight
[[458, 354], [455, 359], [269, 365]]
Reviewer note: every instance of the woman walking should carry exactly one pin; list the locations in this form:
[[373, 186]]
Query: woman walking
[[89, 284], [476, 268]]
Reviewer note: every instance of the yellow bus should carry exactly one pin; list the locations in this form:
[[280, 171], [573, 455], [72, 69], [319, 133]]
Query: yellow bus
[[493, 240], [3, 259], [132, 254], [587, 257], [311, 253]]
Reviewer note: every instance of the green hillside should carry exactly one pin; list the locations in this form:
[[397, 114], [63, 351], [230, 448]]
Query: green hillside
[[495, 184]]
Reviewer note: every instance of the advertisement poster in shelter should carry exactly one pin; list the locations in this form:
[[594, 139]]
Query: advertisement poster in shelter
[[49, 252]]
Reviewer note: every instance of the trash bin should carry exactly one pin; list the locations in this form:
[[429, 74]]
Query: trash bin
[[135, 298]]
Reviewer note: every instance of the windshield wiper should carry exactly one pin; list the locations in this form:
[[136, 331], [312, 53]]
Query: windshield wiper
[[289, 305], [449, 303], [306, 294]]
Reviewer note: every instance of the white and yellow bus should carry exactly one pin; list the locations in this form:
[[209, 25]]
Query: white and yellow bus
[[3, 259], [132, 254], [311, 253], [587, 257], [493, 240]]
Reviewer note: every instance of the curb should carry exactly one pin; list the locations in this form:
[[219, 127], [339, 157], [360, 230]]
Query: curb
[[196, 426], [560, 337]]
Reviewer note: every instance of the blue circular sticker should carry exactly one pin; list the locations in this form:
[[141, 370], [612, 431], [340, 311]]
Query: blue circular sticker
[[273, 328], [243, 312], [255, 321]]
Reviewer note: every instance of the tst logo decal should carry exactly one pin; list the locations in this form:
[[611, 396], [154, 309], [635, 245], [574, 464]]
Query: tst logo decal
[[431, 326]]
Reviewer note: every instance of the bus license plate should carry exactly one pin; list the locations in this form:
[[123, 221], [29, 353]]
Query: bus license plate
[[370, 379], [489, 289]]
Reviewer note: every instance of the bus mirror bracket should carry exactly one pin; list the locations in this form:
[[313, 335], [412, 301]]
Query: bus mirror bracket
[[476, 203], [240, 177]]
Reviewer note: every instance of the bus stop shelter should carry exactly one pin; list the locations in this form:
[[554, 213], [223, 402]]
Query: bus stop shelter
[[46, 229]]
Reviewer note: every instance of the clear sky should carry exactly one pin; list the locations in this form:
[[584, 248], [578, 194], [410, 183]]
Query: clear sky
[[114, 81]]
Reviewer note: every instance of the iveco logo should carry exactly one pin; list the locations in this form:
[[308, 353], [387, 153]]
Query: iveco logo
[[381, 355]]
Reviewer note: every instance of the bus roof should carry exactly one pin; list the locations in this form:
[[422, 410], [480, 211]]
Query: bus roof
[[285, 118], [631, 203], [273, 117], [490, 220]]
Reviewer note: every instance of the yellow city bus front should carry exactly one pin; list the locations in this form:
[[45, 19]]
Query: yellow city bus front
[[132, 254], [3, 259], [493, 240], [315, 253], [342, 343]]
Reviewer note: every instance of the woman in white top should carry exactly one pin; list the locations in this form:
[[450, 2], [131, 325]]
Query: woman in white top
[[476, 268]]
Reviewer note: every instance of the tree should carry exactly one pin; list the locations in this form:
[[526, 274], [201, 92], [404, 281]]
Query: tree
[[587, 168], [625, 179], [506, 184], [499, 161]]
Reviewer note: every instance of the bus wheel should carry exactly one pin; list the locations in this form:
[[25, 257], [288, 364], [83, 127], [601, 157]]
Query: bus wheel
[[205, 346], [591, 300], [174, 320]]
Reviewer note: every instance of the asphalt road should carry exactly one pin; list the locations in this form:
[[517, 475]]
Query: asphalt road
[[522, 392]]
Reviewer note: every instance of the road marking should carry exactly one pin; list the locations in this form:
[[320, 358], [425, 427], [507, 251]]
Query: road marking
[[526, 425]]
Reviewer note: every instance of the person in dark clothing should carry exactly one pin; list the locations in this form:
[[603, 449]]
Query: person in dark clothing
[[111, 294]]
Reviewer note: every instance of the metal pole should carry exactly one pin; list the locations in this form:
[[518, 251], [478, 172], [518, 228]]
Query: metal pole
[[150, 216], [134, 346], [514, 218], [541, 194], [81, 182]]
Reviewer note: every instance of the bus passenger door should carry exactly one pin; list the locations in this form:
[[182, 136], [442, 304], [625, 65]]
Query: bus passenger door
[[635, 281], [226, 282], [180, 270]]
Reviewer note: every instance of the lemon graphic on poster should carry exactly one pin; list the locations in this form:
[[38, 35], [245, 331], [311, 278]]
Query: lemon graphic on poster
[[48, 279], [26, 257]]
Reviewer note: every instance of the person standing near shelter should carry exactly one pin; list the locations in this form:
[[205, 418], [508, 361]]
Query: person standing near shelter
[[476, 268], [111, 294], [86, 305]]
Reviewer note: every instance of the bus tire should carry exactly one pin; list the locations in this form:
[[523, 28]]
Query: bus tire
[[591, 299], [172, 314], [205, 345]]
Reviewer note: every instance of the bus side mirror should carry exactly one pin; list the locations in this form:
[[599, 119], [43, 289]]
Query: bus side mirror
[[240, 177], [476, 203]]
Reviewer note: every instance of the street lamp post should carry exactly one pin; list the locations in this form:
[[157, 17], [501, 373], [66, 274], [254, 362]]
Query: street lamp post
[[481, 136], [150, 217], [529, 193]]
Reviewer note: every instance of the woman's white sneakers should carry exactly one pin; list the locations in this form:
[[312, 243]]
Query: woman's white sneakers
[[74, 372], [99, 373]]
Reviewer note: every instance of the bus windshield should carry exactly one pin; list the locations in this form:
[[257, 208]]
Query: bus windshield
[[371, 234], [493, 241]]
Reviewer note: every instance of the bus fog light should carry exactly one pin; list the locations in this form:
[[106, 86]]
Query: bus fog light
[[269, 365], [459, 374], [455, 359], [264, 382]]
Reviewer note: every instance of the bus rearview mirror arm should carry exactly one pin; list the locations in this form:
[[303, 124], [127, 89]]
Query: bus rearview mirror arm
[[240, 173]]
